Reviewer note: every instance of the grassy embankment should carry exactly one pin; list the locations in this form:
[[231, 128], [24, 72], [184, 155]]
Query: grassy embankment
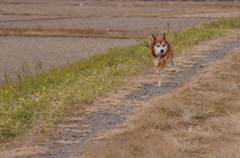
[[46, 97]]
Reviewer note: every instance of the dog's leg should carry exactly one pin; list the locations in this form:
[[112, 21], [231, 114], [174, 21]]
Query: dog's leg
[[159, 70], [158, 67], [159, 78]]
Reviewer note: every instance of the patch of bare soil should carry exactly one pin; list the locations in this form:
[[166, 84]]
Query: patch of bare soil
[[80, 132]]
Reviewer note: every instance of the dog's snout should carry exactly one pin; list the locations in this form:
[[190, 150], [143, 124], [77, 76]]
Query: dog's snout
[[162, 51]]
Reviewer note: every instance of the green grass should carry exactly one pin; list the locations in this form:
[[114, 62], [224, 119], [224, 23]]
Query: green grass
[[47, 97]]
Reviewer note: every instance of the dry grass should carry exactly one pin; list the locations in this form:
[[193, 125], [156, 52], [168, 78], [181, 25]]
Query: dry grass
[[199, 120]]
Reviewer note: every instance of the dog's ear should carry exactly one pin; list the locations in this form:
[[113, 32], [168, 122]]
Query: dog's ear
[[150, 44], [154, 38], [164, 36]]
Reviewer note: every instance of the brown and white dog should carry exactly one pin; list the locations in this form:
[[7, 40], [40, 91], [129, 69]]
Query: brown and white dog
[[162, 49]]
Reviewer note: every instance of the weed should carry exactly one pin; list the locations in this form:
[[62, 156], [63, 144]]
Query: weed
[[6, 76], [19, 76], [25, 70], [39, 66]]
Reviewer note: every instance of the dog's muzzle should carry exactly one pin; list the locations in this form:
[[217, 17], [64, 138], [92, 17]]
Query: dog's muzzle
[[162, 51]]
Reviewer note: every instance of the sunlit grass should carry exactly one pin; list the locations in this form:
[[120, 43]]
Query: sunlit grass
[[47, 97]]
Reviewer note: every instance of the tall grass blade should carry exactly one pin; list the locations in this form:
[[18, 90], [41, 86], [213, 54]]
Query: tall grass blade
[[39, 65], [25, 69], [168, 28], [19, 76], [6, 76]]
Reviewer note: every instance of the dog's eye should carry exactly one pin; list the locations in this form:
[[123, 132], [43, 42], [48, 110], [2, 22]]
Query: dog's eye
[[163, 45], [158, 45]]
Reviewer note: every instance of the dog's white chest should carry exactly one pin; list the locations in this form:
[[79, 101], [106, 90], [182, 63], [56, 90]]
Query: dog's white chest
[[157, 61]]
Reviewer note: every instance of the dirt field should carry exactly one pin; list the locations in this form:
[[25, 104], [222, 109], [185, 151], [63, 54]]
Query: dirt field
[[99, 18]]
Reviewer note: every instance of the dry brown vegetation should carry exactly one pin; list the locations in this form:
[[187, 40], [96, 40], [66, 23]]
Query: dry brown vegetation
[[199, 120]]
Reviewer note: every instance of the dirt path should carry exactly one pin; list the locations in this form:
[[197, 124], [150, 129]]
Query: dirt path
[[80, 132]]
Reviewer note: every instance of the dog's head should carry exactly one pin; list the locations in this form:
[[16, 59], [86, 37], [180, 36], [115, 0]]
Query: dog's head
[[159, 45]]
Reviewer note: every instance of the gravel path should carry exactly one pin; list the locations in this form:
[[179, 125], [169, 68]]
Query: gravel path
[[81, 131]]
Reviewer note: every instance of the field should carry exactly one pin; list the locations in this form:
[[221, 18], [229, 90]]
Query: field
[[47, 30], [85, 81]]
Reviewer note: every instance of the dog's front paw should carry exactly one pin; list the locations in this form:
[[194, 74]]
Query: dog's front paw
[[158, 85], [157, 73]]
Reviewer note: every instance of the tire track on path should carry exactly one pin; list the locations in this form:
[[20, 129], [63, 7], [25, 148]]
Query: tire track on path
[[81, 131]]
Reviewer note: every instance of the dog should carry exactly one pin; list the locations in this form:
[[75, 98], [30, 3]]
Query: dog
[[162, 49]]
